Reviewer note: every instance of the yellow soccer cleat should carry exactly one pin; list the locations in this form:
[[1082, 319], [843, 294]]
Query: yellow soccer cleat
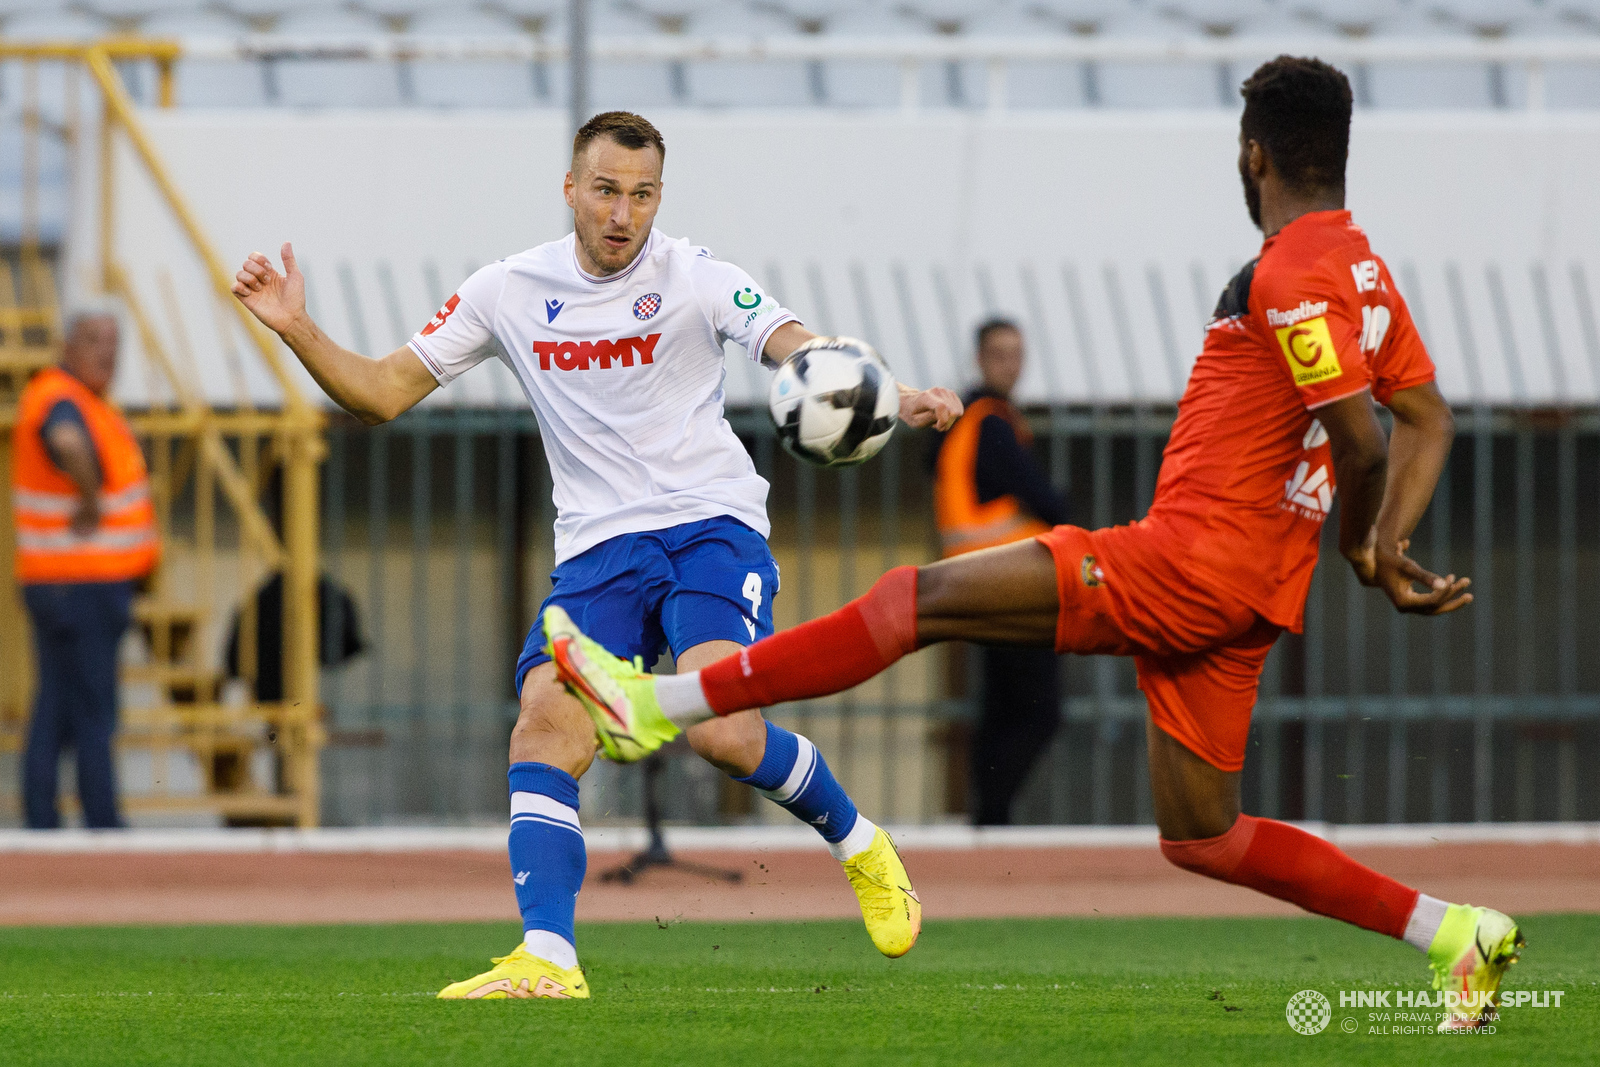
[[889, 905], [619, 696], [523, 976], [1469, 956]]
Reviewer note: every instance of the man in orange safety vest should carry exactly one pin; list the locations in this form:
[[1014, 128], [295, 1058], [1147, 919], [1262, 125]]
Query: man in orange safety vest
[[989, 490], [86, 532]]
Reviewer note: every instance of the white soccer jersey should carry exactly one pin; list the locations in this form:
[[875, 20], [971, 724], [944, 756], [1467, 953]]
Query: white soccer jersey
[[625, 375]]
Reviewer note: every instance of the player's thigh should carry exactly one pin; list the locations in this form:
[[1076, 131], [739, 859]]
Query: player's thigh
[[611, 593], [724, 580], [723, 583], [1005, 595], [552, 726], [1193, 800], [734, 743]]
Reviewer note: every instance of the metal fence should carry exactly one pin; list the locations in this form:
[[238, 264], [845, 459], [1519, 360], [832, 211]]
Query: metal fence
[[439, 525]]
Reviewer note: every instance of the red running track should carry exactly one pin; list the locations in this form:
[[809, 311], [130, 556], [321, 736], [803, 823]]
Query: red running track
[[307, 887]]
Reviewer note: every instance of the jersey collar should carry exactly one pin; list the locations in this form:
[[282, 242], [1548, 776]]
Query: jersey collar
[[596, 279], [1332, 217]]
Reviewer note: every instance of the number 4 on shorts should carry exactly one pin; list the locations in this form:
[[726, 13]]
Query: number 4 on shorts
[[752, 593]]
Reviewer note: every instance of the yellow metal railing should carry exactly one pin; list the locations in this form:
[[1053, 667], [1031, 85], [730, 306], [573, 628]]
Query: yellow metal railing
[[195, 452]]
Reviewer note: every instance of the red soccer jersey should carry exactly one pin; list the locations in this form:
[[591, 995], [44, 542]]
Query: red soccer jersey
[[1247, 477]]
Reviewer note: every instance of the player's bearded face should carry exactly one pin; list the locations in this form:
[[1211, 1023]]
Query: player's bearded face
[[614, 193]]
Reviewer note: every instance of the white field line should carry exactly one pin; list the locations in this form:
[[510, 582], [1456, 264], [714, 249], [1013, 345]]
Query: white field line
[[744, 838]]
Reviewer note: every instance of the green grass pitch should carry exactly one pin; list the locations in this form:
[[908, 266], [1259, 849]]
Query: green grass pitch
[[1045, 991]]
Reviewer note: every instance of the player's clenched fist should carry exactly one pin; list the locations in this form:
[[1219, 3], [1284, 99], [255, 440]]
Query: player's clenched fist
[[276, 299]]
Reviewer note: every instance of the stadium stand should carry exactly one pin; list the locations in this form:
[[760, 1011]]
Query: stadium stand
[[304, 53], [814, 55]]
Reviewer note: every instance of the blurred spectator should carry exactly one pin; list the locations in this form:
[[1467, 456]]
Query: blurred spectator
[[86, 532], [989, 490]]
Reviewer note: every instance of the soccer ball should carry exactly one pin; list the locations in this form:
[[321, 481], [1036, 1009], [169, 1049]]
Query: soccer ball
[[834, 402]]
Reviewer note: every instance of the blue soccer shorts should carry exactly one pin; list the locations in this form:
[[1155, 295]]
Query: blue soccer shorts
[[640, 594]]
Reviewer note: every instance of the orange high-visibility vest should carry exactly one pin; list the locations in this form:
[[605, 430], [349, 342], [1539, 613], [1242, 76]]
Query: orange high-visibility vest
[[964, 524], [44, 499]]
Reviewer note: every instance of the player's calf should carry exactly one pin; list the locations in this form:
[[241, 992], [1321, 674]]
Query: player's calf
[[793, 775]]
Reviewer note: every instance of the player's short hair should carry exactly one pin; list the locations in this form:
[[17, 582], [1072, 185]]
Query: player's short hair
[[624, 127], [990, 325], [1298, 109]]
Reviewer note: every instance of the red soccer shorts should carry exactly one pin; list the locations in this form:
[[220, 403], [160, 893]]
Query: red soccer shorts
[[1198, 650]]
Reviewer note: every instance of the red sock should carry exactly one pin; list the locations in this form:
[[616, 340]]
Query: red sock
[[826, 655], [1281, 861]]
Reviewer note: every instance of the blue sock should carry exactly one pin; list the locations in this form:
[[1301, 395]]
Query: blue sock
[[548, 860], [794, 776]]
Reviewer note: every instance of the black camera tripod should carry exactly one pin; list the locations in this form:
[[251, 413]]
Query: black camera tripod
[[655, 853]]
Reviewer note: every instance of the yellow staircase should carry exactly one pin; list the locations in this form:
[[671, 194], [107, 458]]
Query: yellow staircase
[[257, 761]]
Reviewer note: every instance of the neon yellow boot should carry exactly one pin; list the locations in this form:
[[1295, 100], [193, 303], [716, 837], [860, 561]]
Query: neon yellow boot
[[521, 976]]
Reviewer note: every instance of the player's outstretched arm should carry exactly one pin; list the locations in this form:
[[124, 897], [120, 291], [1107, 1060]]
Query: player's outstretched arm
[[937, 407], [373, 390], [1367, 471]]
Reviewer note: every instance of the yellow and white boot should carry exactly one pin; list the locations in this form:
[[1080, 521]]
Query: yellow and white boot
[[522, 976]]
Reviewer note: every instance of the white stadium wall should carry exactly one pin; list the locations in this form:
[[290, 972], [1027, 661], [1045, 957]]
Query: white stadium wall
[[1107, 234]]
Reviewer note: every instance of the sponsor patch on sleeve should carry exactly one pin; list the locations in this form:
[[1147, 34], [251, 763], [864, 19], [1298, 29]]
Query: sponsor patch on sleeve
[[1308, 346]]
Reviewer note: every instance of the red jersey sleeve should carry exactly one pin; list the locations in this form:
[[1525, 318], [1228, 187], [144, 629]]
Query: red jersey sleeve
[[1310, 318], [1398, 357]]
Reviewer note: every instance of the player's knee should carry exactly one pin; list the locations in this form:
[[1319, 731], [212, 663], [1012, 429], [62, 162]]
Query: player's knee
[[551, 727], [933, 590], [1215, 855], [734, 744], [890, 610]]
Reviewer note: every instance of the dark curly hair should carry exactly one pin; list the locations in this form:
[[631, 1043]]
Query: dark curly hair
[[1298, 110]]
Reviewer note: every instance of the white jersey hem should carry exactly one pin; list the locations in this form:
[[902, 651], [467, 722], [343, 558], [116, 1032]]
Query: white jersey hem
[[596, 533]]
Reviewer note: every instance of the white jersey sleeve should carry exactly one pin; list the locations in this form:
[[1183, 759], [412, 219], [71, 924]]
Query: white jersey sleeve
[[461, 334], [740, 309]]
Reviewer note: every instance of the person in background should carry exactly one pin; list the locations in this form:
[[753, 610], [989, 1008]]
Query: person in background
[[86, 532], [990, 490]]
